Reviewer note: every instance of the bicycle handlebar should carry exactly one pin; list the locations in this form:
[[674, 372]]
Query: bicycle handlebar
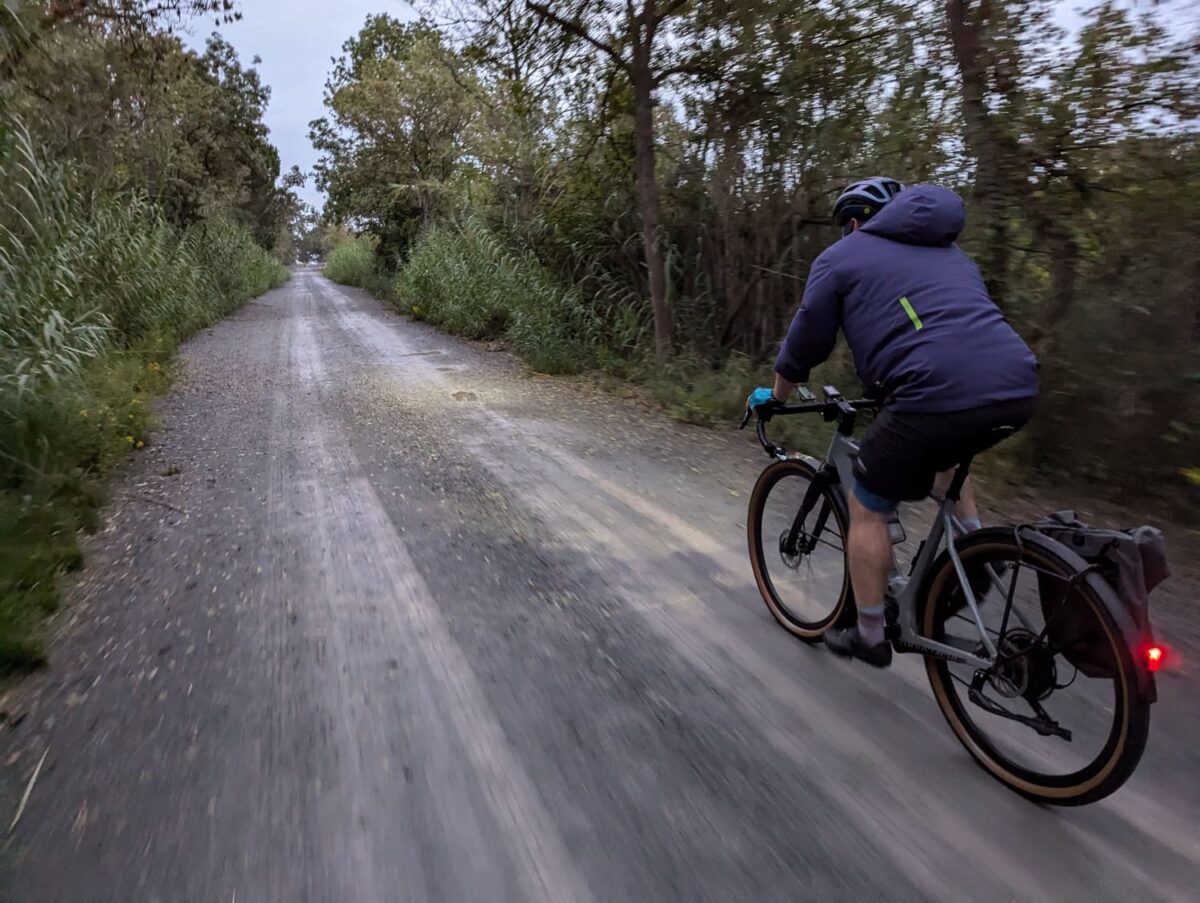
[[768, 446], [835, 409]]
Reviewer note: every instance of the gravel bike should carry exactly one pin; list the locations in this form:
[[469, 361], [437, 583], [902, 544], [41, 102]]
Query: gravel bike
[[1032, 659]]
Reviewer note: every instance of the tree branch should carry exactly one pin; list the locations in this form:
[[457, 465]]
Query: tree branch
[[577, 29], [865, 36], [671, 9], [692, 68]]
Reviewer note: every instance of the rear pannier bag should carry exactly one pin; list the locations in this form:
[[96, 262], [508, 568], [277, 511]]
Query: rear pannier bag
[[1132, 562]]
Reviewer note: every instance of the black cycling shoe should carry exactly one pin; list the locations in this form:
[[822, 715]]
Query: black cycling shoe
[[846, 642]]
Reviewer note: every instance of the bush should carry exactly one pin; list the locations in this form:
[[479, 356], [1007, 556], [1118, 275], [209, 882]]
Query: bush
[[96, 291], [467, 282], [353, 262], [695, 391]]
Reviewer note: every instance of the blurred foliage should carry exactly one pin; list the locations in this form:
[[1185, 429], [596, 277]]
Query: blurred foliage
[[139, 201], [351, 261], [468, 282], [149, 116], [25, 25], [402, 107], [1079, 156]]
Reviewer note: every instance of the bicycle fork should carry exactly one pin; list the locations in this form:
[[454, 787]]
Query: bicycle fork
[[820, 483]]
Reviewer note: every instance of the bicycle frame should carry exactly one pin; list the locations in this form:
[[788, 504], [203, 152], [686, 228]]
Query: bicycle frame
[[843, 451], [1017, 665]]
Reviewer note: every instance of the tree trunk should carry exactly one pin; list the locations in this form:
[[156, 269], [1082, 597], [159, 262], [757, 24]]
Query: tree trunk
[[983, 141], [1064, 276], [1196, 294], [647, 190]]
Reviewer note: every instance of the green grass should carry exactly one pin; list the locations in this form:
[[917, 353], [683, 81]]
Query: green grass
[[96, 292], [694, 391], [466, 281]]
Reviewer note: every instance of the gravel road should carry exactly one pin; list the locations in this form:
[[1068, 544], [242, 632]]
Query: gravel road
[[421, 626]]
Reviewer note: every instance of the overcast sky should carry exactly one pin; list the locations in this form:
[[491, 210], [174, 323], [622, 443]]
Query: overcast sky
[[297, 38]]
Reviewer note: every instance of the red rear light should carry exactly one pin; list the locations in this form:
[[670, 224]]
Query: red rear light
[[1154, 657]]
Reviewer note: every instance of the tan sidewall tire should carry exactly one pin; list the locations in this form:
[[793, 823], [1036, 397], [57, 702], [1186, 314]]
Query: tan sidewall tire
[[1133, 714], [762, 488]]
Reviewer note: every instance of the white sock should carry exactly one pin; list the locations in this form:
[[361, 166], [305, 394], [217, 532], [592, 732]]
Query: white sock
[[870, 625]]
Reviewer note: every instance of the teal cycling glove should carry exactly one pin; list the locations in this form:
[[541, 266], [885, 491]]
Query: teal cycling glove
[[761, 396]]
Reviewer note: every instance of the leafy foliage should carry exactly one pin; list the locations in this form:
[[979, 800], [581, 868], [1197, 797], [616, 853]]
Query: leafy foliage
[[26, 24], [1078, 154], [138, 197], [468, 282], [184, 129], [402, 112], [95, 292], [352, 261]]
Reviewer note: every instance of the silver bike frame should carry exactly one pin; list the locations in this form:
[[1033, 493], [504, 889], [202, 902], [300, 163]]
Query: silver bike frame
[[842, 453]]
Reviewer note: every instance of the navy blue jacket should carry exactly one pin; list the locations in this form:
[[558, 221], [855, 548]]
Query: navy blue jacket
[[924, 334]]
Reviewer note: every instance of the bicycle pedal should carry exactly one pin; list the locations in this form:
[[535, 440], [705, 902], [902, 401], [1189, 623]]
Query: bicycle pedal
[[891, 632]]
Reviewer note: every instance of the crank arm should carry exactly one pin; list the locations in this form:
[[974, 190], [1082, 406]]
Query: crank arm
[[1045, 726]]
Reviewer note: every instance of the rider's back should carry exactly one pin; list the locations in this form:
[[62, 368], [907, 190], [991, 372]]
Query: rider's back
[[916, 313]]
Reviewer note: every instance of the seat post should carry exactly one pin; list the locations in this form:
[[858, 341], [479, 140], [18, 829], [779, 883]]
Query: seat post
[[960, 478]]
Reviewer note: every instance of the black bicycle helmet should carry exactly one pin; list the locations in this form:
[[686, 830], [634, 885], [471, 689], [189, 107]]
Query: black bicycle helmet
[[863, 199]]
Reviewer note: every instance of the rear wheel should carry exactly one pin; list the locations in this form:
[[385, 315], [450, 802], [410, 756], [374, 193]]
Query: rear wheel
[[1059, 718], [799, 557]]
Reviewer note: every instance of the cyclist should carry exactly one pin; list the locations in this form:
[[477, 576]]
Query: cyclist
[[928, 341]]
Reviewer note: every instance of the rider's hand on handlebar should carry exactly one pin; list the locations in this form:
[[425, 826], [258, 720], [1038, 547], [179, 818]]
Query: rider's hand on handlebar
[[762, 396], [762, 401]]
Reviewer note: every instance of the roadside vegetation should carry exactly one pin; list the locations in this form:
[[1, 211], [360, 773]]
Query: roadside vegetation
[[640, 188], [139, 202]]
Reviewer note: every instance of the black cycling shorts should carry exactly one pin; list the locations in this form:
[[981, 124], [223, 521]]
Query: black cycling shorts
[[903, 452]]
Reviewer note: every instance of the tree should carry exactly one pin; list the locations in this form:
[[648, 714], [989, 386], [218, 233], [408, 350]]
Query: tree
[[403, 108], [1042, 127], [806, 98], [313, 237], [184, 128], [637, 41], [143, 114], [27, 22], [710, 195], [519, 63]]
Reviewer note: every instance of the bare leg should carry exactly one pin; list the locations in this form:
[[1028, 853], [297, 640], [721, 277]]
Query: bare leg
[[870, 553], [966, 509]]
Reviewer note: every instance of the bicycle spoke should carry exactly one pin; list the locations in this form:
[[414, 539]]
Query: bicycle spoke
[[1031, 700], [804, 547], [831, 545]]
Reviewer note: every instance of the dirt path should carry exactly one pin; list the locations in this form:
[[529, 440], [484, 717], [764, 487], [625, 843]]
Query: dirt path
[[432, 629]]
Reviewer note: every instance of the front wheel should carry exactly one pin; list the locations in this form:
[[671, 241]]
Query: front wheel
[[1059, 717], [797, 527]]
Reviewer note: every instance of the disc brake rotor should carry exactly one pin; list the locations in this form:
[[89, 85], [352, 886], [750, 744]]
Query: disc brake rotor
[[790, 560]]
